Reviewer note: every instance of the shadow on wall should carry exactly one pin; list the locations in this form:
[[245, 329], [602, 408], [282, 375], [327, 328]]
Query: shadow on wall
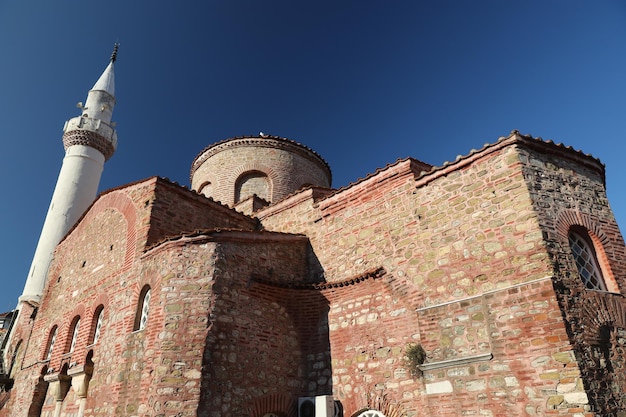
[[600, 347], [267, 344]]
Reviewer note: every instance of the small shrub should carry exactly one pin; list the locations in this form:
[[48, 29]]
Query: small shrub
[[415, 356]]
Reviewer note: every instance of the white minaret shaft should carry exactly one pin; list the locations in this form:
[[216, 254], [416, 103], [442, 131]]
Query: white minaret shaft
[[89, 141]]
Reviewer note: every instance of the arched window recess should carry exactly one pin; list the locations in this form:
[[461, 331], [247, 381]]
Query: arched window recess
[[585, 253], [52, 336], [96, 325], [74, 328], [371, 413], [252, 183], [143, 309]]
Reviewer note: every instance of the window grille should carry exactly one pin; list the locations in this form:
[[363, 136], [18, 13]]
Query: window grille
[[371, 413], [74, 336], [586, 261], [96, 334], [53, 338], [145, 310]]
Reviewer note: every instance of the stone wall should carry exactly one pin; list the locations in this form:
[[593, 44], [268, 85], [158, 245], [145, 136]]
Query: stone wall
[[161, 366], [452, 233], [102, 264], [174, 210], [84, 273], [94, 267], [519, 361], [468, 277], [21, 396], [266, 336], [569, 192]]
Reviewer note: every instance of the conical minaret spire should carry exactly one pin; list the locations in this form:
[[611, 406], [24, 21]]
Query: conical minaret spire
[[89, 140]]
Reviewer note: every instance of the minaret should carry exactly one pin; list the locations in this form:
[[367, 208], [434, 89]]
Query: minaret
[[89, 141]]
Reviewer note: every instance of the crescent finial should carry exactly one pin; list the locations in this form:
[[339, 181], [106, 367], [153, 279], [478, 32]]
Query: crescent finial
[[114, 54]]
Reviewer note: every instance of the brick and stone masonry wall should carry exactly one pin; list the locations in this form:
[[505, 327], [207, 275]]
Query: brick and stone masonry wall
[[161, 367], [465, 270], [266, 338], [93, 266], [532, 369], [81, 271], [464, 231], [229, 330], [21, 330], [98, 265], [174, 210], [451, 236], [570, 192]]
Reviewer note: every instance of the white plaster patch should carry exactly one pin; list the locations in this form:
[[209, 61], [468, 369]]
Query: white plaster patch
[[566, 388], [576, 398], [441, 387], [192, 374]]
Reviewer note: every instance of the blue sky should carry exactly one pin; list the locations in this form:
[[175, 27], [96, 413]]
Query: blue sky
[[361, 82]]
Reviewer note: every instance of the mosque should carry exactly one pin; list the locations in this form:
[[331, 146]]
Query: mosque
[[489, 286]]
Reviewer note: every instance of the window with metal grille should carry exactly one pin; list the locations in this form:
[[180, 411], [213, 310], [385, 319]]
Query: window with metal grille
[[143, 309], [96, 333], [74, 335], [51, 340], [586, 260], [371, 413]]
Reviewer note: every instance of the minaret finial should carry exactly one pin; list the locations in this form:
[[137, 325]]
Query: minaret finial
[[114, 54]]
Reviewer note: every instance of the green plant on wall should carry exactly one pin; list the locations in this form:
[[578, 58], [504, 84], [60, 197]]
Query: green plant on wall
[[415, 356]]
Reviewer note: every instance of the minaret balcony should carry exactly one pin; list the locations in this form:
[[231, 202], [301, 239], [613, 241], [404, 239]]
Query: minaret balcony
[[92, 125], [90, 132]]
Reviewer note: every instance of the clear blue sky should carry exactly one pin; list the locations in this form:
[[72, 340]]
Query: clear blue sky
[[361, 82]]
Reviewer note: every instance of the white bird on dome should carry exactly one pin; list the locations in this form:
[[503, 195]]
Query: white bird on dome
[[263, 135]]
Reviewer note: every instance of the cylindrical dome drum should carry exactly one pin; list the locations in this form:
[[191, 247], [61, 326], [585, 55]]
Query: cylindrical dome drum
[[269, 167]]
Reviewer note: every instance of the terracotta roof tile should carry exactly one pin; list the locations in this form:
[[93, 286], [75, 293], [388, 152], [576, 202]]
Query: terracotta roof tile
[[514, 136], [279, 138], [185, 236], [320, 286]]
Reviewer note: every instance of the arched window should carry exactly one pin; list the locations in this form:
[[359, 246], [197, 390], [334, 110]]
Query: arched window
[[52, 336], [252, 182], [97, 323], [586, 259], [74, 332], [206, 189], [371, 413], [143, 309]]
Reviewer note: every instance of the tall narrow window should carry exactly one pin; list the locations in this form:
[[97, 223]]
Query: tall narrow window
[[99, 318], [586, 260], [143, 309], [75, 327], [51, 339]]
